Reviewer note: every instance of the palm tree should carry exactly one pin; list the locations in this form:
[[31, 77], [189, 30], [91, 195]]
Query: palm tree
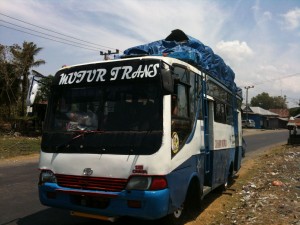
[[25, 60], [9, 81]]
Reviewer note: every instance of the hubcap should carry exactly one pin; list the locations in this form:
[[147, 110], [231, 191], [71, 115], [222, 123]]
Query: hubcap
[[178, 212], [226, 185]]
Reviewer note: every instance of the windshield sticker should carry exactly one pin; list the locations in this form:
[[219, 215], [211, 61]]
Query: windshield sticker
[[115, 73]]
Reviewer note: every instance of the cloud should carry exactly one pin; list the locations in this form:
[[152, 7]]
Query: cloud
[[121, 23], [234, 51], [117, 24], [259, 15], [267, 15], [257, 51], [292, 19]]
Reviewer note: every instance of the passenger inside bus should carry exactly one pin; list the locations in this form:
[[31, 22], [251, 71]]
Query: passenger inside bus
[[82, 117]]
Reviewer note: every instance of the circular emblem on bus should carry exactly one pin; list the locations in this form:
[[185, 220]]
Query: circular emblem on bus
[[87, 172], [175, 142]]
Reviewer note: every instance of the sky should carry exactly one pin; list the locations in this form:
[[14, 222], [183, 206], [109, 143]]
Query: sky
[[258, 39]]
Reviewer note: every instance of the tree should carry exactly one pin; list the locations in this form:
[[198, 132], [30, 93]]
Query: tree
[[9, 81], [294, 111], [264, 100], [280, 102], [44, 89], [25, 60]]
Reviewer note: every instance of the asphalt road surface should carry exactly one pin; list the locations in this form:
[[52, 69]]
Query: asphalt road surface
[[19, 203], [264, 139]]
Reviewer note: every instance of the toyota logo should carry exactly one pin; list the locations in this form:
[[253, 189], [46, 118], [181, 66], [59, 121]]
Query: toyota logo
[[87, 172]]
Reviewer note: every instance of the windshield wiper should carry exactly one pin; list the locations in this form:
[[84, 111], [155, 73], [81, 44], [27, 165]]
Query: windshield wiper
[[80, 133]]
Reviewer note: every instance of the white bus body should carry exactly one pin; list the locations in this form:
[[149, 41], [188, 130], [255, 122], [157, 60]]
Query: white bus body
[[104, 171]]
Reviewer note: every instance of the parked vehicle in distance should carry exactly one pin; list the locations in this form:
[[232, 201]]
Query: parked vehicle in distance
[[248, 123]]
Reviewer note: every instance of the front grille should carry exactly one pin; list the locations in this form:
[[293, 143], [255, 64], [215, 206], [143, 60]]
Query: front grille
[[91, 183]]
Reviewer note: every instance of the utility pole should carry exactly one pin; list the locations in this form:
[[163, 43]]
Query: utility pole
[[109, 52], [247, 105]]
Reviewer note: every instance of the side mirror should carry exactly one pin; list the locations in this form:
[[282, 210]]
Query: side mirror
[[167, 79]]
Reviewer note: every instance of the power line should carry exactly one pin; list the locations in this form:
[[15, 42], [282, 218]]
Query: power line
[[102, 46], [48, 34], [293, 100], [49, 38], [279, 78], [275, 79]]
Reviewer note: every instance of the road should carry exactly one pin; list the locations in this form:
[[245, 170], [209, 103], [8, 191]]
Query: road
[[261, 139], [20, 205]]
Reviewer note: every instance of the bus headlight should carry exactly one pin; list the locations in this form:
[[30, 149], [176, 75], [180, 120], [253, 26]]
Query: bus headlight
[[47, 176], [147, 183]]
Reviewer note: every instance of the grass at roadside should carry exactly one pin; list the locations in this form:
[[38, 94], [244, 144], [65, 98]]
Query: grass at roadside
[[18, 146]]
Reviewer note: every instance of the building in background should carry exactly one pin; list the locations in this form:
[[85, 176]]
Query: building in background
[[264, 119]]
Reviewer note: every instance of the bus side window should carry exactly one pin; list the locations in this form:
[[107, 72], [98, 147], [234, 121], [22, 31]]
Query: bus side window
[[220, 113], [182, 101], [181, 121], [193, 94]]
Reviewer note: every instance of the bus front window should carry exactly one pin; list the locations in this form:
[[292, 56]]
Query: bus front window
[[114, 108], [114, 119]]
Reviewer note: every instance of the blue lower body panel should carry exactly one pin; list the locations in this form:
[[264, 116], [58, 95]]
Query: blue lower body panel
[[142, 204], [221, 161]]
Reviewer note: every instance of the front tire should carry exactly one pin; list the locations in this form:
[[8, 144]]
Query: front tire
[[189, 209], [178, 217]]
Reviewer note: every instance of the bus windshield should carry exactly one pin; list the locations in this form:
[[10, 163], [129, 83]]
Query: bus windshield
[[119, 115]]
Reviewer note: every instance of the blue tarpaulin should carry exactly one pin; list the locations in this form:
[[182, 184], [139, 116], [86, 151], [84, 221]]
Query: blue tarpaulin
[[186, 48]]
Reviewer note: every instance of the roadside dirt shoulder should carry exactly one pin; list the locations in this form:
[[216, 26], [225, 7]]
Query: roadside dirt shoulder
[[267, 191], [20, 160]]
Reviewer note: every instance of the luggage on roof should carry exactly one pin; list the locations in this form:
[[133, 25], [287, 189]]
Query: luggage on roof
[[186, 48]]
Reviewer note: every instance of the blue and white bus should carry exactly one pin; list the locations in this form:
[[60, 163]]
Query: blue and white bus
[[145, 137]]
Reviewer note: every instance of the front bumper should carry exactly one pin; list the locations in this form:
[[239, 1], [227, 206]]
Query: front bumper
[[138, 204]]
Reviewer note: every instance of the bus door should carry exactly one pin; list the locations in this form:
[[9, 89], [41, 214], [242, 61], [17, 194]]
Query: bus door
[[208, 113], [238, 142]]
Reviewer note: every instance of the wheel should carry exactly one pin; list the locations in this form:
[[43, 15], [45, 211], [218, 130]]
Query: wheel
[[176, 218], [194, 196], [189, 208], [224, 186], [178, 213]]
